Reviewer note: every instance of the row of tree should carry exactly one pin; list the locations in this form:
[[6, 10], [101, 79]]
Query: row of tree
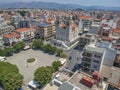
[[10, 77], [43, 75], [9, 51], [38, 44]]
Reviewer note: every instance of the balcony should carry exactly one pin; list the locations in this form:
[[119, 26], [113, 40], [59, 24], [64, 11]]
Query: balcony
[[84, 59], [87, 54], [86, 66]]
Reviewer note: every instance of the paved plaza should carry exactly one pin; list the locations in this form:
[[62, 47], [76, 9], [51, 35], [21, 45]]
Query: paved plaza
[[27, 70]]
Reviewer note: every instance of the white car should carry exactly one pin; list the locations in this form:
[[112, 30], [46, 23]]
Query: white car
[[26, 48], [2, 59]]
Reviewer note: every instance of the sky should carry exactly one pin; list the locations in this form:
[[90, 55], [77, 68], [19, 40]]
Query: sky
[[114, 3]]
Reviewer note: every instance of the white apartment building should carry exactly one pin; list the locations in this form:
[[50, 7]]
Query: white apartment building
[[84, 24], [23, 34], [4, 27], [95, 56], [92, 59]]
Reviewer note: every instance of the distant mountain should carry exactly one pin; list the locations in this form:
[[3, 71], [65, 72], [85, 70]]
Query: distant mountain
[[52, 5]]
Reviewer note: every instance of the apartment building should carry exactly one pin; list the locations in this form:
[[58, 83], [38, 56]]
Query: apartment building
[[104, 30], [46, 31], [24, 24], [87, 39], [94, 56], [22, 34], [4, 27], [10, 38], [92, 59], [26, 34], [85, 23], [118, 24]]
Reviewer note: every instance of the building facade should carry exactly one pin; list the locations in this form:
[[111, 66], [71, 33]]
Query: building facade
[[85, 23], [46, 31], [92, 59], [66, 35], [23, 34]]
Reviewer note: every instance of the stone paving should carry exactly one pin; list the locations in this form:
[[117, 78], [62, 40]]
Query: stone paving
[[27, 70]]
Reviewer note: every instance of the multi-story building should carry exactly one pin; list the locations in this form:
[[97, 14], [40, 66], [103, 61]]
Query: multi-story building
[[116, 33], [15, 19], [46, 31], [23, 34], [95, 56], [85, 24], [4, 27], [87, 39], [104, 30], [118, 24], [26, 34], [24, 24], [92, 59], [11, 38]]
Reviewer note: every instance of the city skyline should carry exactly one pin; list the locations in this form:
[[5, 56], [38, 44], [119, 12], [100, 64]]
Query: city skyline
[[108, 3]]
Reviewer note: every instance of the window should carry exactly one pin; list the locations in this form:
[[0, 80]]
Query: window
[[95, 66], [96, 61], [97, 56]]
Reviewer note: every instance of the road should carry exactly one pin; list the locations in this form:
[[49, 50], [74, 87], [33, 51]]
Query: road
[[74, 58]]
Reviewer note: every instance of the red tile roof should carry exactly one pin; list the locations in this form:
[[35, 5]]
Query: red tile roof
[[116, 30], [11, 35], [74, 26], [15, 34], [8, 36], [84, 17], [23, 29]]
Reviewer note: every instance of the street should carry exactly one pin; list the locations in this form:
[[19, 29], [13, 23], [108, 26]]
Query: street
[[74, 58]]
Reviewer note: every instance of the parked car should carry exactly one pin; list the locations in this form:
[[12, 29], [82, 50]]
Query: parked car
[[26, 48], [2, 59]]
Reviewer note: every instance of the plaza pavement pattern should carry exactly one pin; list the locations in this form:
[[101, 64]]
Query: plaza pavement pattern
[[19, 59]]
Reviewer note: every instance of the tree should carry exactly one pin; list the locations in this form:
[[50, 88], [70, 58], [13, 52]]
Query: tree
[[19, 46], [63, 55], [2, 52], [10, 76], [37, 44], [8, 51], [51, 69], [53, 50], [59, 51], [43, 75], [22, 13], [12, 81], [47, 48], [22, 44], [56, 65]]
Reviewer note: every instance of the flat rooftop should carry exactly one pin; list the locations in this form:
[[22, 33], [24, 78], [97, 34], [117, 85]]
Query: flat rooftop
[[93, 30], [93, 48], [76, 81], [112, 73]]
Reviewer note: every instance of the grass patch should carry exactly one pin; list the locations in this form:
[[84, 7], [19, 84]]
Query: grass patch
[[30, 60]]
